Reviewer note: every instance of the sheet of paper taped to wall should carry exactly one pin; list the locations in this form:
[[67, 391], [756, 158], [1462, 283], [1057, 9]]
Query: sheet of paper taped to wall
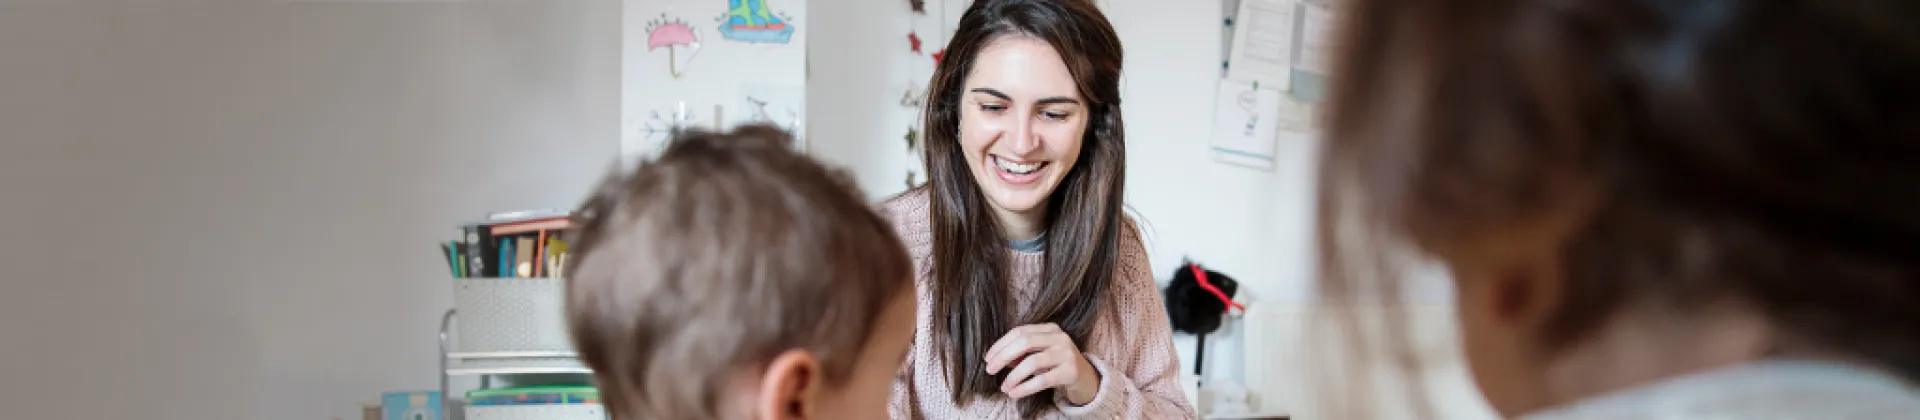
[[1262, 43], [1316, 37], [1246, 122]]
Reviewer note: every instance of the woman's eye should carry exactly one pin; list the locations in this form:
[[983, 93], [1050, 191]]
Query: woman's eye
[[993, 108], [1054, 116]]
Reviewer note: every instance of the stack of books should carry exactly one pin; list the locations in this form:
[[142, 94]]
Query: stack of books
[[522, 244]]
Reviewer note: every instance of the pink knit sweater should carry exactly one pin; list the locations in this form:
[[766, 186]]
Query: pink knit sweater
[[1131, 346]]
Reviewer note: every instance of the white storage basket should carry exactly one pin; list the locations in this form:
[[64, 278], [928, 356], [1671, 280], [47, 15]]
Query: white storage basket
[[511, 315]]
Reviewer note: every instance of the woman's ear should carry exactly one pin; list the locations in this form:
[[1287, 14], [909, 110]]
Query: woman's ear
[[791, 386]]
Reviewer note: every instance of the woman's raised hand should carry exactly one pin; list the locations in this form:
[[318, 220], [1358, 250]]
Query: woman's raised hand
[[1042, 356]]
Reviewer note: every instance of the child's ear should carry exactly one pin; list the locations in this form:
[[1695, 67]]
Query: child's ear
[[790, 388]]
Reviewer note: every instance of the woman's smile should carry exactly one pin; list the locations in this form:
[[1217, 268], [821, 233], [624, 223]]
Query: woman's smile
[[1017, 172]]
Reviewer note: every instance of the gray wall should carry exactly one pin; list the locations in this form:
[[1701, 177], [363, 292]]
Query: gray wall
[[226, 209]]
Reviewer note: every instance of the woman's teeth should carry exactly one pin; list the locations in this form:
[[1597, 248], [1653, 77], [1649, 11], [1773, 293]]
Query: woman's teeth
[[1015, 168]]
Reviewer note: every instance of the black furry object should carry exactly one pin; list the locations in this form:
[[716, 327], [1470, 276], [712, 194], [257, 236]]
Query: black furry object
[[1193, 309]]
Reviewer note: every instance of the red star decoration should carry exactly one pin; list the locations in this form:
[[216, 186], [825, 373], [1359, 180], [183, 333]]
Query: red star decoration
[[914, 38], [938, 55]]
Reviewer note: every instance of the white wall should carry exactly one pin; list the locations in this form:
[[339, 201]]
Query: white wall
[[1253, 225], [226, 209]]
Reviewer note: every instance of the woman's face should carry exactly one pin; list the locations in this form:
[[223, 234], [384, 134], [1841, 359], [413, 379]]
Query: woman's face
[[1021, 123]]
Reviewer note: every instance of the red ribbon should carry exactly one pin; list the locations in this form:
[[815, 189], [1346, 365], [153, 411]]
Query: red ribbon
[[1201, 276]]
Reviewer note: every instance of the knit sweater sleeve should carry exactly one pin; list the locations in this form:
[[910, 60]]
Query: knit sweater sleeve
[[900, 399], [1139, 372], [907, 213]]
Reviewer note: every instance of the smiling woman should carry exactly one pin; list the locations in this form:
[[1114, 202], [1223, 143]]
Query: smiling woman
[[1036, 299]]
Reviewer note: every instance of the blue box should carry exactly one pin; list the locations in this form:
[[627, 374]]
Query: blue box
[[424, 405]]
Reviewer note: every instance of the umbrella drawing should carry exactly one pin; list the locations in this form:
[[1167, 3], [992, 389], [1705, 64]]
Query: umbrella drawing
[[672, 34]]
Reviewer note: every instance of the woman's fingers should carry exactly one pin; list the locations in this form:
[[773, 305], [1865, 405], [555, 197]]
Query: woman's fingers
[[1011, 352], [1059, 375], [1021, 331], [994, 359], [1041, 356], [1012, 338], [1019, 342], [1034, 363]]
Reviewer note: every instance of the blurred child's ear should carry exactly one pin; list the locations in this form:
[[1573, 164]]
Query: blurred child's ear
[[790, 388]]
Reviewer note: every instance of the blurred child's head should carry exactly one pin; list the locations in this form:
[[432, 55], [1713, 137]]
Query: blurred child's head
[[734, 278], [1629, 190]]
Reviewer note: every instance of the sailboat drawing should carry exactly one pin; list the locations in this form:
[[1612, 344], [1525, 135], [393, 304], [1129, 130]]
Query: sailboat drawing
[[750, 21]]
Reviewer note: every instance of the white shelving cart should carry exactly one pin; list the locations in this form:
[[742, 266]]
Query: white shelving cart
[[508, 326]]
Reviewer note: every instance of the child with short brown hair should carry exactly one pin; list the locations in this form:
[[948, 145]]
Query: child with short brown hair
[[734, 278]]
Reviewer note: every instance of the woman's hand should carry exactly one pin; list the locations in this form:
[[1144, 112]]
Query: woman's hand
[[1042, 357]]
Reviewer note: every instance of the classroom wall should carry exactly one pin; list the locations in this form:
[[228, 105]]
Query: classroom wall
[[226, 209]]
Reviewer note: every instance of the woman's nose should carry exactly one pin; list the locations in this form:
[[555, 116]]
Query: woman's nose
[[1023, 142]]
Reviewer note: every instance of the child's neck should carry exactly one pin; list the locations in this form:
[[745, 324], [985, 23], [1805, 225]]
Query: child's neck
[[1638, 348]]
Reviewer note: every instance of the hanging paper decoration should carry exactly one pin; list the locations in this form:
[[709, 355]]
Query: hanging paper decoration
[[672, 34], [913, 97], [752, 22]]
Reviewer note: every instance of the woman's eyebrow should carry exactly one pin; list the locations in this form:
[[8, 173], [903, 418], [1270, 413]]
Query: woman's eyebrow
[[1045, 101], [996, 93], [1058, 100]]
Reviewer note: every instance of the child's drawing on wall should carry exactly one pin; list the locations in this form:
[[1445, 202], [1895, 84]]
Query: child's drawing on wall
[[673, 34], [751, 21]]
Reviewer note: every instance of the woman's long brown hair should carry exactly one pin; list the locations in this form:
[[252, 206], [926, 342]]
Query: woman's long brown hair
[[971, 303], [1762, 151]]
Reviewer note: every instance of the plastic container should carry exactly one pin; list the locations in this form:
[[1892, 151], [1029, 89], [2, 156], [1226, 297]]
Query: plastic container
[[534, 395]]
